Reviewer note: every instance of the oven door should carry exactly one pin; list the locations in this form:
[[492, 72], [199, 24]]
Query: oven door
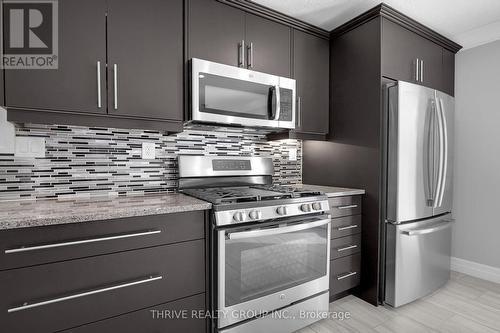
[[264, 269], [231, 95]]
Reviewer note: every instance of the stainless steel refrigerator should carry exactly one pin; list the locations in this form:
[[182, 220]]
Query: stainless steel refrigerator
[[419, 191]]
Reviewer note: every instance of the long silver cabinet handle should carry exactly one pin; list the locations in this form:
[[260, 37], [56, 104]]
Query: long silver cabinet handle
[[342, 249], [241, 53], [115, 81], [26, 306], [421, 71], [417, 70], [79, 242], [250, 56], [347, 227], [299, 112], [347, 207], [99, 100], [345, 276]]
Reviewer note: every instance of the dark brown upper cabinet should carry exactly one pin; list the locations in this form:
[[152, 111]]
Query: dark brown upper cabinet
[[409, 57], [145, 60], [216, 32], [73, 87], [311, 71], [120, 65], [448, 85], [227, 35], [267, 46]]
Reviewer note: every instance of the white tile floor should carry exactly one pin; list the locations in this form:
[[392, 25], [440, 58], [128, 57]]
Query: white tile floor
[[465, 304]]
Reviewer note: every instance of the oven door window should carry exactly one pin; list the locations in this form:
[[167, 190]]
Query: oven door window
[[262, 265], [237, 98]]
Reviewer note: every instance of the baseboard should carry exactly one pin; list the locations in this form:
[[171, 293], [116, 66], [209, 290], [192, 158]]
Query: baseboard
[[481, 271]]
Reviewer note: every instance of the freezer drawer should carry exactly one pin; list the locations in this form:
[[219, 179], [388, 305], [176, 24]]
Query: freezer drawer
[[417, 259]]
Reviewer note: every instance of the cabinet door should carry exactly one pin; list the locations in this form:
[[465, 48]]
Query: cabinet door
[[73, 86], [311, 71], [215, 31], [267, 46], [448, 72], [145, 62], [401, 48]]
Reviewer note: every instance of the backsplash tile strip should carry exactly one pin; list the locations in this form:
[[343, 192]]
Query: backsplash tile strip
[[82, 162]]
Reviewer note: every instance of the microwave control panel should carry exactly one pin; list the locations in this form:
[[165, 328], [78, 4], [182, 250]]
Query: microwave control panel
[[286, 104]]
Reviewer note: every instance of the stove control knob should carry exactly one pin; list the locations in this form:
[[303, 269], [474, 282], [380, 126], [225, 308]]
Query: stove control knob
[[282, 210], [239, 217], [317, 206], [306, 208], [255, 214]]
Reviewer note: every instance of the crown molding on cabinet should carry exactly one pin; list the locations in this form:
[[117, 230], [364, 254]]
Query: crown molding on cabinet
[[255, 8], [392, 14]]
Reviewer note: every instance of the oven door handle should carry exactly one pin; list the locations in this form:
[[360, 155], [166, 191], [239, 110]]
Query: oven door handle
[[277, 230]]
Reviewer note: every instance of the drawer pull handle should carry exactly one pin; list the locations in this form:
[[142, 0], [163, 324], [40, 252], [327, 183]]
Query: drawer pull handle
[[347, 207], [347, 248], [26, 306], [345, 276], [347, 227], [83, 241]]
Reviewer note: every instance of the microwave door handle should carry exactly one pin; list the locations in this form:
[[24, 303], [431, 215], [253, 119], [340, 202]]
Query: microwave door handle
[[278, 103], [277, 230]]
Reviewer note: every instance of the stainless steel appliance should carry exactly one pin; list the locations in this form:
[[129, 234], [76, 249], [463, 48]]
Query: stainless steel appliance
[[419, 191], [225, 94], [270, 253]]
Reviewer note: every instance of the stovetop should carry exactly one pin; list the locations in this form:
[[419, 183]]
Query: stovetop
[[225, 195]]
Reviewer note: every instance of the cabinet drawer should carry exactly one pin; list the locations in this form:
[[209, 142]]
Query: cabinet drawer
[[346, 226], [344, 273], [90, 289], [345, 206], [154, 319], [33, 246], [341, 247]]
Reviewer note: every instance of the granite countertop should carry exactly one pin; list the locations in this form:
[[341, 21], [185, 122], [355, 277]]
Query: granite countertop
[[33, 213], [332, 191]]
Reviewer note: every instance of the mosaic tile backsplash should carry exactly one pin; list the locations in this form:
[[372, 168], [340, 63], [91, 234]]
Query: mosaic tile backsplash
[[86, 162]]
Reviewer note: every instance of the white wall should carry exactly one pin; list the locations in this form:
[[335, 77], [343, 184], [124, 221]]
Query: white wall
[[477, 155]]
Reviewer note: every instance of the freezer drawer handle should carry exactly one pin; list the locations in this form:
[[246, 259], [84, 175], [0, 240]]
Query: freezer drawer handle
[[440, 227], [345, 276], [347, 248], [347, 227], [347, 207], [27, 305], [83, 241]]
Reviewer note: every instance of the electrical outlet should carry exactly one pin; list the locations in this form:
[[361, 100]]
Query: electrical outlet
[[27, 146], [292, 154], [148, 150]]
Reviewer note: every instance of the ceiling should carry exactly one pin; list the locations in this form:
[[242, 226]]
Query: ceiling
[[467, 22]]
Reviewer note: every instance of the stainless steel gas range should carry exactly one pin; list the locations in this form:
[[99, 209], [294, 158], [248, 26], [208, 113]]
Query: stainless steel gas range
[[270, 245]]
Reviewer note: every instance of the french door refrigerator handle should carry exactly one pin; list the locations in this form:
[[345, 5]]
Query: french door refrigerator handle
[[441, 154], [430, 155], [444, 152]]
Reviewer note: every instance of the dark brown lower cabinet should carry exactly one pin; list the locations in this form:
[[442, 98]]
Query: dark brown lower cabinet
[[63, 295], [345, 245], [183, 316], [344, 273]]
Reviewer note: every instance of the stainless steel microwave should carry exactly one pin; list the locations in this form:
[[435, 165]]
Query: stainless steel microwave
[[231, 95]]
